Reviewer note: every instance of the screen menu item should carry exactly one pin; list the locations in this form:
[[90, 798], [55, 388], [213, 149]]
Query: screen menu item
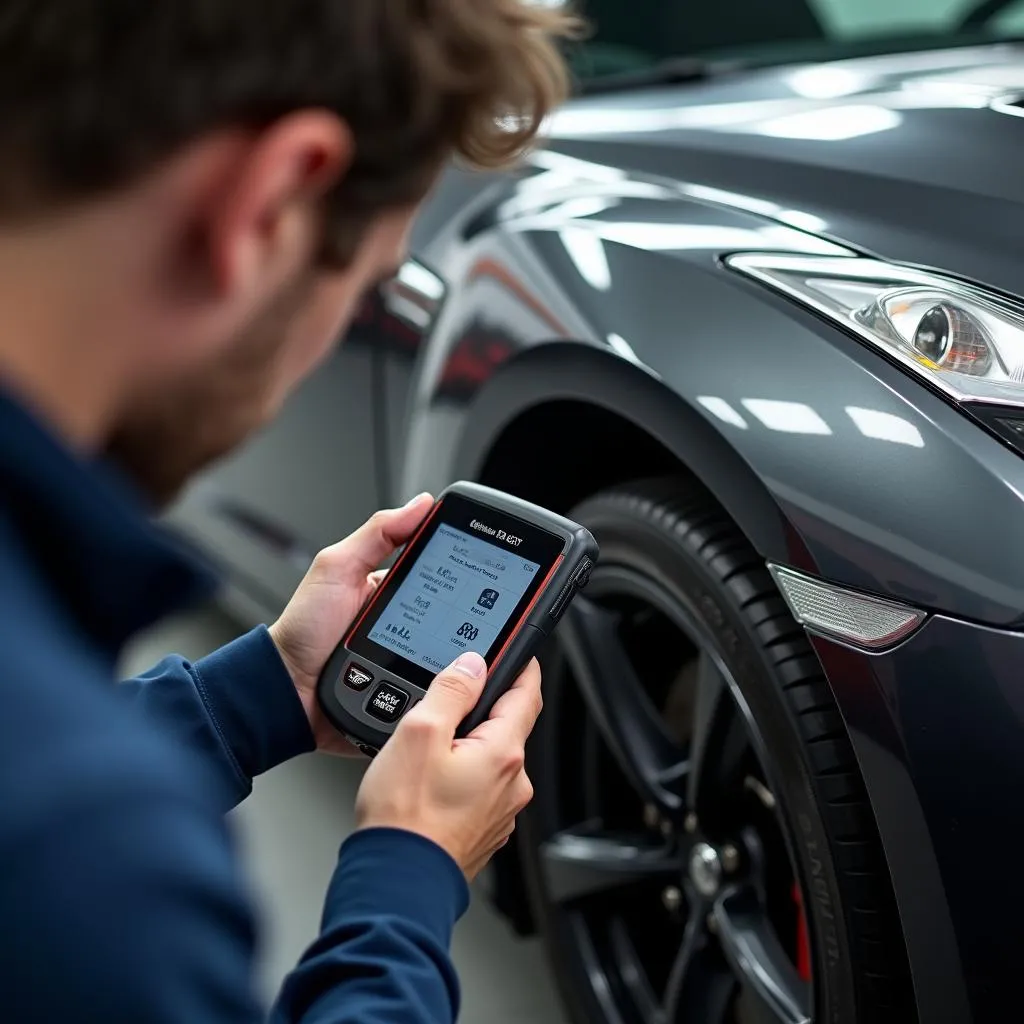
[[458, 596]]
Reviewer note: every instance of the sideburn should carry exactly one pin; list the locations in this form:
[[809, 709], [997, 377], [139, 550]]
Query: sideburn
[[170, 434]]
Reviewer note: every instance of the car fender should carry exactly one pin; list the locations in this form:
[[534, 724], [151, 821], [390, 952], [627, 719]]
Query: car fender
[[855, 471]]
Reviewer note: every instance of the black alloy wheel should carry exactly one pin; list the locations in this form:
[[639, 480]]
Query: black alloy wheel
[[700, 848]]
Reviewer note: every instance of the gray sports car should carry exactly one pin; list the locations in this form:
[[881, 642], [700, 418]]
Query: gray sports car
[[754, 315]]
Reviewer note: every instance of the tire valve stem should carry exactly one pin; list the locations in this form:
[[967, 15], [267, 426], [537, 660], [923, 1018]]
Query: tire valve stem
[[651, 816], [672, 899]]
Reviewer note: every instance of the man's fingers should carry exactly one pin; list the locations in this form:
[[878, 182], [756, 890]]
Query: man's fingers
[[361, 552], [517, 710], [453, 693]]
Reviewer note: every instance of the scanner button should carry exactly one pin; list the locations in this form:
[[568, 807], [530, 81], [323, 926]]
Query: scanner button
[[387, 703], [357, 677]]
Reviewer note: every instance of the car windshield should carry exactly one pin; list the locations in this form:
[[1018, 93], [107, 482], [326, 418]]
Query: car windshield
[[634, 35]]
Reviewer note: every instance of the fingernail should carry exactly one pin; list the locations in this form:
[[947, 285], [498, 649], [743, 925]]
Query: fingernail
[[416, 500], [471, 663]]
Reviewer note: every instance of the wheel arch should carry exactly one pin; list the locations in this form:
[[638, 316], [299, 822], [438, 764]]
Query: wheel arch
[[623, 423]]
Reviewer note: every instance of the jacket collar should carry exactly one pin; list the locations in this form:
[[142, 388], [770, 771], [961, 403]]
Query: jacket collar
[[89, 534]]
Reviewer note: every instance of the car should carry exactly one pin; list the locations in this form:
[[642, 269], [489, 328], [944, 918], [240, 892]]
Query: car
[[754, 314]]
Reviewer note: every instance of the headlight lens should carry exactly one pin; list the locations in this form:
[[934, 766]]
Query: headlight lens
[[966, 341]]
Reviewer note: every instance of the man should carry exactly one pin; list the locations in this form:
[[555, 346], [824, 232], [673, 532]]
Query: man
[[194, 194]]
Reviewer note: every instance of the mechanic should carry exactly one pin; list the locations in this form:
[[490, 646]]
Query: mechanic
[[194, 195]]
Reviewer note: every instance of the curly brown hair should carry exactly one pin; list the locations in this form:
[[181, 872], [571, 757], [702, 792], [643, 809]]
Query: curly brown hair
[[95, 93]]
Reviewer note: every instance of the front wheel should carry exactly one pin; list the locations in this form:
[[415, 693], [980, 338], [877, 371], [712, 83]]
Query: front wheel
[[700, 848]]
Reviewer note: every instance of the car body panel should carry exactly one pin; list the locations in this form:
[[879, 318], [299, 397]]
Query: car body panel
[[912, 156], [937, 726], [791, 395]]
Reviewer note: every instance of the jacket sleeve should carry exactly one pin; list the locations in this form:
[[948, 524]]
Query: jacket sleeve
[[126, 906], [236, 708], [382, 955]]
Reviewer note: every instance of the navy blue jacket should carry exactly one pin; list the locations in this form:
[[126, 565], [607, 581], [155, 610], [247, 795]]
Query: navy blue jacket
[[121, 900]]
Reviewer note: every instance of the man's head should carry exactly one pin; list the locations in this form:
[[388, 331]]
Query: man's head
[[202, 190]]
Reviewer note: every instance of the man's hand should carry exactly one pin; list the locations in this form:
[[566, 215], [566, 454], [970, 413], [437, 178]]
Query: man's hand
[[327, 601], [464, 794]]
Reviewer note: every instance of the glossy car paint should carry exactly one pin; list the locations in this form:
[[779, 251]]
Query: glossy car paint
[[936, 726], [594, 279]]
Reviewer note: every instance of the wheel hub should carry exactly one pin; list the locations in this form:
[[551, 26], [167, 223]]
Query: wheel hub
[[706, 869]]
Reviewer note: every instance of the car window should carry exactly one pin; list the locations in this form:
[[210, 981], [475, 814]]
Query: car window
[[859, 18], [630, 35]]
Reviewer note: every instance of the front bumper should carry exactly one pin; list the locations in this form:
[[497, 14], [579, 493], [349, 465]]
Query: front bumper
[[938, 727]]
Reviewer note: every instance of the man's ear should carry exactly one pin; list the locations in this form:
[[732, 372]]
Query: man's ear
[[266, 221]]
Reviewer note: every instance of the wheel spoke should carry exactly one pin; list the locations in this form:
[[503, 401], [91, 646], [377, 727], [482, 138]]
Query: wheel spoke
[[699, 986], [579, 864], [622, 710], [759, 961], [694, 939], [718, 740]]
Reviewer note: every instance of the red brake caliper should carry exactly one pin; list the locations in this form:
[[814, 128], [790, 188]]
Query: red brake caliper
[[803, 941]]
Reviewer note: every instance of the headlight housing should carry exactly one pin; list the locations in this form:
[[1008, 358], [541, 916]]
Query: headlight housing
[[967, 342]]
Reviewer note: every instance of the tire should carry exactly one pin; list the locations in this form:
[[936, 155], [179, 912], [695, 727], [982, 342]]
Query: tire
[[673, 532]]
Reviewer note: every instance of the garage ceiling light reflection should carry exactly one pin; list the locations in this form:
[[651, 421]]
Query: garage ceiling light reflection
[[586, 250], [799, 418], [764, 207], [884, 426], [786, 417], [720, 408], [620, 346], [834, 124], [668, 237], [828, 82]]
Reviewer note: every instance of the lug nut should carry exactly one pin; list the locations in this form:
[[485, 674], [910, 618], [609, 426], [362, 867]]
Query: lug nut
[[672, 899], [690, 823], [730, 858]]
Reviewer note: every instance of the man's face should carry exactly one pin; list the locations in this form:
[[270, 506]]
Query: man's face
[[169, 435]]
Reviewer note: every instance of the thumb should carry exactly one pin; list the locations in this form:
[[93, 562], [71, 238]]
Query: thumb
[[455, 691], [352, 559]]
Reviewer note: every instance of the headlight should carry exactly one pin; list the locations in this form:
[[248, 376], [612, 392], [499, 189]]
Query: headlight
[[966, 341]]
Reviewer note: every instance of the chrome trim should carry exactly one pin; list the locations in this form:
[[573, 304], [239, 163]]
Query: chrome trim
[[414, 295], [853, 602], [760, 267]]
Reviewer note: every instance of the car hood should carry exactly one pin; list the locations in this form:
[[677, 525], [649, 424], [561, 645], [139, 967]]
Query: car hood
[[911, 157]]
